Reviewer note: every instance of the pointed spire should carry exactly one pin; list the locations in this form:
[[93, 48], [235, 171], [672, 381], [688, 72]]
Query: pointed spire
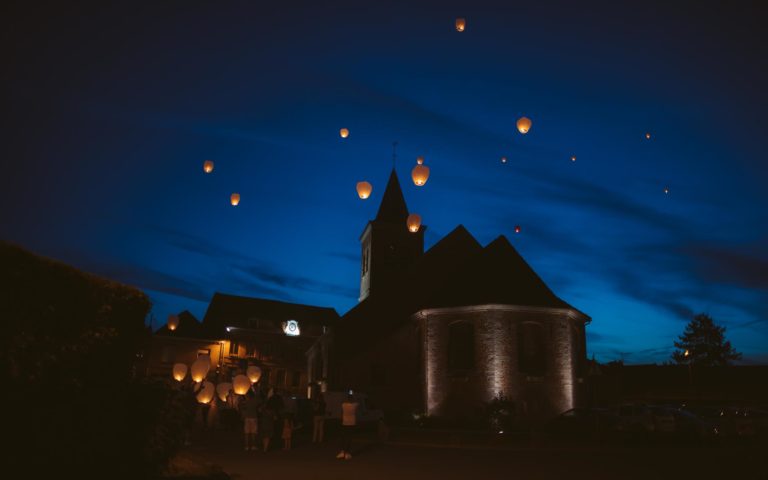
[[392, 208]]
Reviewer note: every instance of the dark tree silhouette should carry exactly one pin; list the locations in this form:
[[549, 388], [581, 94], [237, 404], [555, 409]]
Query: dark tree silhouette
[[705, 343]]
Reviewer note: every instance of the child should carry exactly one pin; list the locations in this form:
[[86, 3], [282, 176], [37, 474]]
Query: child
[[287, 431]]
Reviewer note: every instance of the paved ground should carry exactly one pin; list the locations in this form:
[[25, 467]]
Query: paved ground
[[401, 462]]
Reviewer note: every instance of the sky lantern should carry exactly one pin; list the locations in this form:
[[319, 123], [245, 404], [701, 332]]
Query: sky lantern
[[413, 222], [205, 395], [364, 189], [234, 199], [241, 384], [523, 125], [208, 166], [200, 368], [503, 159], [666, 190], [173, 322], [222, 390], [253, 373], [420, 173], [518, 229], [461, 24], [344, 133], [179, 371], [573, 158], [647, 135]]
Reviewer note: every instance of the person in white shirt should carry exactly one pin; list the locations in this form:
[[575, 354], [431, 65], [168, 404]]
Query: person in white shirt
[[348, 422]]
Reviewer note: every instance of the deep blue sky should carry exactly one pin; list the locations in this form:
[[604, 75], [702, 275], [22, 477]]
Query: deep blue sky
[[110, 111]]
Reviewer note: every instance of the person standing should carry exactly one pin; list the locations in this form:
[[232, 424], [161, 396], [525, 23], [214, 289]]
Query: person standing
[[288, 426], [249, 409], [348, 422], [318, 418], [267, 421]]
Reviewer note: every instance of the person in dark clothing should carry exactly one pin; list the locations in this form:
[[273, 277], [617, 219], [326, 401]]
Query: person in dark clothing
[[267, 423], [318, 417]]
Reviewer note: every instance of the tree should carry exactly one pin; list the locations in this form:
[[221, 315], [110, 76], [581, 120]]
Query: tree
[[705, 344]]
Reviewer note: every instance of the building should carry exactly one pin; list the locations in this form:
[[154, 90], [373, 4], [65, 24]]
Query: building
[[237, 332], [443, 332]]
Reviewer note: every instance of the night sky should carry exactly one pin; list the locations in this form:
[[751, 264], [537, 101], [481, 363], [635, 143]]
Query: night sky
[[110, 110]]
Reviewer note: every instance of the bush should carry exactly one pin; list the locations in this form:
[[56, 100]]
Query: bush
[[71, 350]]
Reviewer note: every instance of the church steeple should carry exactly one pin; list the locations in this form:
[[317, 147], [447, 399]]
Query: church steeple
[[392, 208], [388, 248]]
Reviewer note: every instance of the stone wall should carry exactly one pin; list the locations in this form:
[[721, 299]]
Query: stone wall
[[496, 367]]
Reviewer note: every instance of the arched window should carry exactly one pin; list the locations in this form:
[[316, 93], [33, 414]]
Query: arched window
[[531, 349], [461, 346]]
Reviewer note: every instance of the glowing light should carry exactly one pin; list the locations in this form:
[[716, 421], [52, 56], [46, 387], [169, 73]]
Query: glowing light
[[208, 166], [291, 327], [364, 189], [200, 368], [241, 384], [461, 24], [173, 322], [666, 190], [686, 353], [253, 373], [523, 125], [234, 199], [573, 158], [229, 329], [344, 133], [420, 173], [503, 159], [223, 389], [648, 135], [179, 372], [413, 222], [205, 395], [518, 229]]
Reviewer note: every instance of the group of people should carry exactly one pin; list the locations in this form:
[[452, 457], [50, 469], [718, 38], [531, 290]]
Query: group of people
[[263, 418]]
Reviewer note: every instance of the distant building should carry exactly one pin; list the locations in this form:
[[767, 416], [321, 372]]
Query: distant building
[[240, 331], [444, 331]]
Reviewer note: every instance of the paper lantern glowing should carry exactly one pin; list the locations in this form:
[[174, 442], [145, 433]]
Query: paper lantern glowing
[[413, 222], [461, 24], [344, 133], [364, 189], [523, 125], [222, 390], [179, 372], [234, 199], [205, 395], [573, 158], [666, 189], [253, 373], [648, 136], [173, 322], [503, 159], [200, 368], [241, 384], [208, 166], [420, 173], [517, 229]]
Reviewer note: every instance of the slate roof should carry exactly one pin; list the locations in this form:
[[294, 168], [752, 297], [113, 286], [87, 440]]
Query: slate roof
[[233, 310], [393, 208]]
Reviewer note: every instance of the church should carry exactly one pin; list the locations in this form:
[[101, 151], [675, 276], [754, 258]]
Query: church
[[444, 332]]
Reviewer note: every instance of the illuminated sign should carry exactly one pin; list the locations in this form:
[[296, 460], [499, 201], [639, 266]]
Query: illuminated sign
[[291, 327]]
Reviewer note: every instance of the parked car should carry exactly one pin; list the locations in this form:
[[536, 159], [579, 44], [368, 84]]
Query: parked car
[[581, 423], [634, 418], [663, 419]]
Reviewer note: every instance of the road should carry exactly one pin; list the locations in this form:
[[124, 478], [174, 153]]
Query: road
[[391, 461]]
